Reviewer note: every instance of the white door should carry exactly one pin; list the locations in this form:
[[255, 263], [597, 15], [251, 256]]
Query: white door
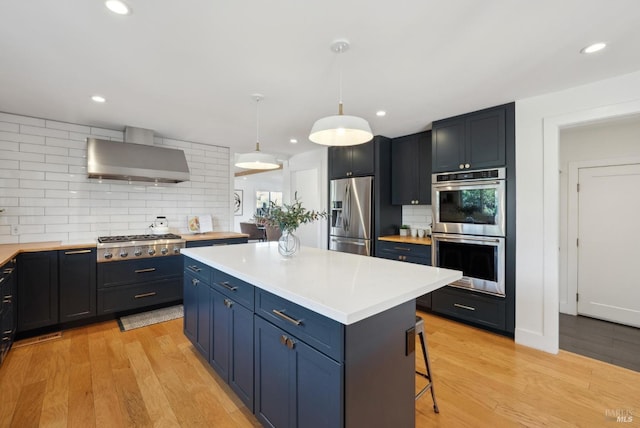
[[609, 243]]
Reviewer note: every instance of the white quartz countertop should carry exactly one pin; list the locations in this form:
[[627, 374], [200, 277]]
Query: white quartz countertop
[[344, 287]]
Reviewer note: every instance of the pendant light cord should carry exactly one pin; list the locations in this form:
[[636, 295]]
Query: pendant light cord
[[340, 51], [257, 124]]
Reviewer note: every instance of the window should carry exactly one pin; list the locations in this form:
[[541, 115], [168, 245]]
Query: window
[[264, 200]]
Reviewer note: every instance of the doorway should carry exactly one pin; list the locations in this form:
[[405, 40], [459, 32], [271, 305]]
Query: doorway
[[599, 292]]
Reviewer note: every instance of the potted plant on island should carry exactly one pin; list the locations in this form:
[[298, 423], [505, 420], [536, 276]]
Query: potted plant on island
[[288, 218], [404, 230]]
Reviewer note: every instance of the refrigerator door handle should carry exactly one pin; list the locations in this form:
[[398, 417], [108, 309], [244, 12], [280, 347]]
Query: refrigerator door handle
[[340, 241], [346, 214]]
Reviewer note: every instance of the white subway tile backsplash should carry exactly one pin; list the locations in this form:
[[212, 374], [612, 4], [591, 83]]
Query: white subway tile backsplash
[[45, 132], [41, 166], [9, 146], [9, 127], [24, 120], [44, 188], [67, 126]]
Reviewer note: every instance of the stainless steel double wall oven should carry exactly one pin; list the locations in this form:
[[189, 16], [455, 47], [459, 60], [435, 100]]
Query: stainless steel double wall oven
[[469, 227]]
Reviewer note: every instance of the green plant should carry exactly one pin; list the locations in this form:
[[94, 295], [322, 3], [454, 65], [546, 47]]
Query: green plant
[[405, 226], [289, 217]]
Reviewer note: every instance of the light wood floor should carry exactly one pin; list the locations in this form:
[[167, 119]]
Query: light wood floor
[[98, 376]]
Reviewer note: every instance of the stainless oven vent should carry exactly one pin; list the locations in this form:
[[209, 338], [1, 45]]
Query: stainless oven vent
[[135, 162]]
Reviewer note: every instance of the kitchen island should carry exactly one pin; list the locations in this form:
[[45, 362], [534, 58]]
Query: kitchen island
[[332, 333]]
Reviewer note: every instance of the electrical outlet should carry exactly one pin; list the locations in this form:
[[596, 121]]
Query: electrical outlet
[[15, 229]]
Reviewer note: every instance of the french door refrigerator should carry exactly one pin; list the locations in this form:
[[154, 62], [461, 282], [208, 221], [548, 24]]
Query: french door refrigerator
[[351, 221]]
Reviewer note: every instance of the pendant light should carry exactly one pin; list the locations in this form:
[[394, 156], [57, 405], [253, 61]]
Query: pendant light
[[257, 159], [340, 130]]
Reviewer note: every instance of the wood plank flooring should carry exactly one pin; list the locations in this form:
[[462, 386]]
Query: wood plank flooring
[[97, 376], [602, 340]]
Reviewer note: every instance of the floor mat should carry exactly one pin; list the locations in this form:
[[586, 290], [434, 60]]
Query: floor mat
[[151, 317]]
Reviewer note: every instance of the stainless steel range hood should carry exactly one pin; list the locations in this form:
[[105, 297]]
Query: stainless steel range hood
[[135, 162]]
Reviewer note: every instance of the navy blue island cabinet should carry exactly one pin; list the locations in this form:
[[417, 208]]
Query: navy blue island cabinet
[[296, 368]]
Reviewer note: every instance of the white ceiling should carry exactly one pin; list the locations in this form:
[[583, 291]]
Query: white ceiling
[[188, 73]]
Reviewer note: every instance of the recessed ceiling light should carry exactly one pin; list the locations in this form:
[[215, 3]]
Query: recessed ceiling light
[[98, 99], [117, 6], [593, 48], [381, 113], [293, 141]]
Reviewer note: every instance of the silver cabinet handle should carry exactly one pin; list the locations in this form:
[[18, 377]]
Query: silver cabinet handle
[[286, 317], [226, 285], [402, 248], [69, 253], [145, 270], [1, 280], [469, 308], [228, 303], [195, 281], [140, 296], [195, 268]]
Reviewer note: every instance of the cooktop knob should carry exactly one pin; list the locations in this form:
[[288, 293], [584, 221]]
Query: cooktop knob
[[137, 252], [123, 254], [176, 250], [164, 251], [151, 251], [107, 255]]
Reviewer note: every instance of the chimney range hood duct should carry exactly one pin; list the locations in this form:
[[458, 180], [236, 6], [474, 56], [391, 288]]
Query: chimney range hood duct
[[135, 162]]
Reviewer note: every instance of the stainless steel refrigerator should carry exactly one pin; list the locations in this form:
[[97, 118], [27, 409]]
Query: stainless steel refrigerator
[[351, 221]]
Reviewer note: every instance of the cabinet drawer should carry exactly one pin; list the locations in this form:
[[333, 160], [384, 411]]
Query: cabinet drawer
[[470, 306], [116, 299], [236, 289], [318, 331], [198, 269], [136, 271], [412, 253]]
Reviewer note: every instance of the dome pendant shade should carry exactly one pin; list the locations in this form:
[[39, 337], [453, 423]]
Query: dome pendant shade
[[341, 130], [257, 160]]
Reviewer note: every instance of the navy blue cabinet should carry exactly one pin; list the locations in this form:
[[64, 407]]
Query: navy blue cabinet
[[218, 320], [37, 290], [296, 386], [8, 312], [411, 169], [412, 253], [351, 161], [471, 141], [77, 284], [232, 345], [197, 305]]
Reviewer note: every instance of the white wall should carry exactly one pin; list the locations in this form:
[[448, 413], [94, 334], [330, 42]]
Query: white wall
[[45, 191], [538, 123], [608, 140], [307, 174]]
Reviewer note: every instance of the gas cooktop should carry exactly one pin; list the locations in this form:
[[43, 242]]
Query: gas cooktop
[[126, 247]]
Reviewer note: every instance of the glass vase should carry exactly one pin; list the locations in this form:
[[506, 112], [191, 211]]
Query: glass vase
[[288, 244]]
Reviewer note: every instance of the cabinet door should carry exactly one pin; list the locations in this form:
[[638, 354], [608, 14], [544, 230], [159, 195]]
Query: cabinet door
[[37, 290], [339, 162], [190, 304], [203, 335], [485, 139], [423, 166], [220, 335], [241, 348], [274, 377], [319, 389], [447, 139], [77, 284], [362, 159], [404, 178]]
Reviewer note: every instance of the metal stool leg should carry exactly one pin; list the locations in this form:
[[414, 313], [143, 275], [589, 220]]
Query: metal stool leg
[[420, 332]]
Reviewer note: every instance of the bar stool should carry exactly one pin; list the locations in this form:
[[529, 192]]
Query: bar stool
[[427, 375]]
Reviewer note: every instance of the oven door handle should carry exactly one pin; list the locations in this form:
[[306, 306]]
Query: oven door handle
[[449, 238]]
